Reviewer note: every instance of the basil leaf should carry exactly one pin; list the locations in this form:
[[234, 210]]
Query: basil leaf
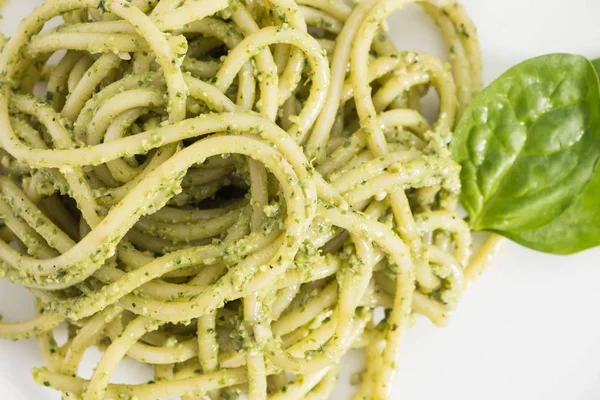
[[577, 229], [528, 146], [596, 64]]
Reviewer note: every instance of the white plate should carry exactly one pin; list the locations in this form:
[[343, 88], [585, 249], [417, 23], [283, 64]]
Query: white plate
[[528, 329]]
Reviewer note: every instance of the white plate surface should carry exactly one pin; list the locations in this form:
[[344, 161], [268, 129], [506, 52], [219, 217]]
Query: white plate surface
[[529, 329]]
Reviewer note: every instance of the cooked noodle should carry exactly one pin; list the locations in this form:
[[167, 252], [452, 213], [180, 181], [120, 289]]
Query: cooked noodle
[[229, 191]]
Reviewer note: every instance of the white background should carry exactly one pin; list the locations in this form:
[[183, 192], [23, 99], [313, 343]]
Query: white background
[[529, 329]]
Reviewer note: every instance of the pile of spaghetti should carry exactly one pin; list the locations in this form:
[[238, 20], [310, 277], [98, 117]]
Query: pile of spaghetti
[[229, 191]]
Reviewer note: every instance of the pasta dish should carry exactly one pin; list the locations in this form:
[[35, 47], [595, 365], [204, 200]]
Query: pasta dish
[[234, 192]]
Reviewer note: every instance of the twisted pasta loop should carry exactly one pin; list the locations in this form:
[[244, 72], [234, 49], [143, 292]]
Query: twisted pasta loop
[[228, 191]]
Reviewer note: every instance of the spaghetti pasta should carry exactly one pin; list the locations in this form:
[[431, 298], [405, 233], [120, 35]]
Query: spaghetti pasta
[[230, 190]]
